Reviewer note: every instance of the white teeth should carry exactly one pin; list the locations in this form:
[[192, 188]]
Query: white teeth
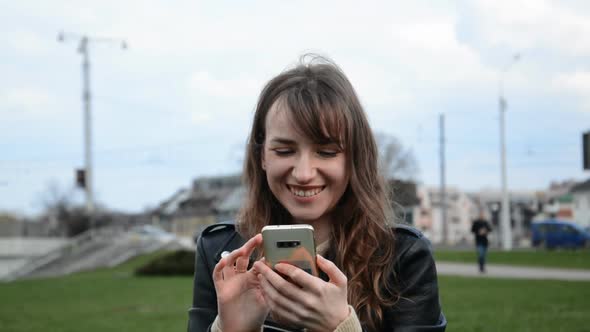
[[307, 193]]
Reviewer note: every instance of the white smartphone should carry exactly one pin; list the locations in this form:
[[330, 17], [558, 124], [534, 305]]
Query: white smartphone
[[291, 244]]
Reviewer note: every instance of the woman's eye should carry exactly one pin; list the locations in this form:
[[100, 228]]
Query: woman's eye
[[283, 152], [328, 153]]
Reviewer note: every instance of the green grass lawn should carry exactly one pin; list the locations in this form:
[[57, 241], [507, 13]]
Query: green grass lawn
[[115, 300], [570, 259], [485, 304], [102, 300]]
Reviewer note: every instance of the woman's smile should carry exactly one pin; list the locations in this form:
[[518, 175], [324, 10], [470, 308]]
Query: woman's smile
[[307, 191]]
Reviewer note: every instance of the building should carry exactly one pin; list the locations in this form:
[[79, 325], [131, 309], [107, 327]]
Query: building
[[558, 201], [211, 199], [460, 211], [524, 207], [404, 200], [581, 203]]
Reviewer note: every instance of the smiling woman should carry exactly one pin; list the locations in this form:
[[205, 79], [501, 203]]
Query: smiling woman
[[312, 159], [307, 178]]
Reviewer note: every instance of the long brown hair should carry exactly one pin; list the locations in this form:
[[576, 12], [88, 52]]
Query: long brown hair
[[325, 107]]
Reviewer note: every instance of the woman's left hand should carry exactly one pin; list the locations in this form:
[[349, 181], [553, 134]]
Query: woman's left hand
[[305, 300]]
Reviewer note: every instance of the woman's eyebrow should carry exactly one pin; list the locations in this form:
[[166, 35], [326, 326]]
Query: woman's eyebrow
[[280, 140]]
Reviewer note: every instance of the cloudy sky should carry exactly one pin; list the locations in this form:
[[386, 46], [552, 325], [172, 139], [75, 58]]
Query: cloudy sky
[[177, 104]]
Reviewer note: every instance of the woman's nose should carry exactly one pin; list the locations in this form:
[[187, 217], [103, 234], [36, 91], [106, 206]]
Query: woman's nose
[[304, 171]]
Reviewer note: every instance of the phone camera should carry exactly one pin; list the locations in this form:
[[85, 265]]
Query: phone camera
[[288, 244]]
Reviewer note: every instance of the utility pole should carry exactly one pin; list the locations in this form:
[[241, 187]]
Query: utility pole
[[83, 49], [443, 189], [505, 206]]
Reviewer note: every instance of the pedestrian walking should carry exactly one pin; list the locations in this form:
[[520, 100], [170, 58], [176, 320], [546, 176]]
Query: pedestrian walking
[[481, 228]]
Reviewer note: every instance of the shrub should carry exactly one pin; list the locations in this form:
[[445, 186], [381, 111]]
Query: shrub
[[180, 262]]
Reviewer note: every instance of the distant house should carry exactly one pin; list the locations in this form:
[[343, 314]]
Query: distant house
[[561, 207], [227, 208], [460, 210], [404, 200], [210, 200], [581, 203], [558, 201]]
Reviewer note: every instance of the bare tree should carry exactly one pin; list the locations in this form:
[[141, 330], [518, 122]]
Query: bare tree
[[395, 161], [59, 206], [56, 197]]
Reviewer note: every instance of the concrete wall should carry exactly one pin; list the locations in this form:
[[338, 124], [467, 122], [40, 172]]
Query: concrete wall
[[16, 252], [582, 208], [29, 247]]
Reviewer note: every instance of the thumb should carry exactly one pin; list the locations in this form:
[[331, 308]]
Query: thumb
[[336, 276]]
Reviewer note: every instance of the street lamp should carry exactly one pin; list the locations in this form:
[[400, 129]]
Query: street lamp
[[83, 49], [505, 212]]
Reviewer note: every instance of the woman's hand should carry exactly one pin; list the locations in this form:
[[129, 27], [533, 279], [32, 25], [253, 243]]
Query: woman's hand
[[240, 302], [306, 301]]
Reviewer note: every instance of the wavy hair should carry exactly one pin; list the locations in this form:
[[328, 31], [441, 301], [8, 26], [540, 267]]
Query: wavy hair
[[325, 107]]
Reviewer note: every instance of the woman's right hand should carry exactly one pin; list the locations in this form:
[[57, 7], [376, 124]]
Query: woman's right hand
[[240, 303]]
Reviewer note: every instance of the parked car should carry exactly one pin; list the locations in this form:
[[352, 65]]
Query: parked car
[[153, 232], [556, 233]]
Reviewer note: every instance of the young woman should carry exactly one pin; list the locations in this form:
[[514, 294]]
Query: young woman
[[312, 159]]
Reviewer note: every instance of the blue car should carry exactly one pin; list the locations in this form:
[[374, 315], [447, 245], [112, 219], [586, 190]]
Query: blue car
[[555, 234]]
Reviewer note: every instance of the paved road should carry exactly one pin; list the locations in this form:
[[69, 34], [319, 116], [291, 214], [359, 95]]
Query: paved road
[[509, 271]]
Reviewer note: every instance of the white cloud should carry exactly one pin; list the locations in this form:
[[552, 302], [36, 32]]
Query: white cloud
[[238, 87], [376, 86], [214, 99], [576, 83], [28, 42], [431, 50], [29, 101], [523, 24]]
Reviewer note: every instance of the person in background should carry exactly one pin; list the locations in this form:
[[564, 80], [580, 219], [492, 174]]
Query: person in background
[[481, 228], [311, 158]]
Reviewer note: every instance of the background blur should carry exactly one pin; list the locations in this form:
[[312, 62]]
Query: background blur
[[170, 117], [177, 103]]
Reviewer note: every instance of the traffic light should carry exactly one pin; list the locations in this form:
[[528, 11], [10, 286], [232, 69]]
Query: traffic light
[[81, 178], [586, 149]]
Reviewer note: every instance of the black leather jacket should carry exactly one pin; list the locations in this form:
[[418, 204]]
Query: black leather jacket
[[418, 309]]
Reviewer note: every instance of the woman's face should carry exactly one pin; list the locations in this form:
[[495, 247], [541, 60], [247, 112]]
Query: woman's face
[[307, 178]]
